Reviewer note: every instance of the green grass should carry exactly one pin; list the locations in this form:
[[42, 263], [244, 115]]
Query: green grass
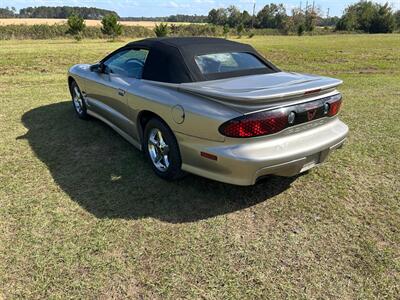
[[83, 216]]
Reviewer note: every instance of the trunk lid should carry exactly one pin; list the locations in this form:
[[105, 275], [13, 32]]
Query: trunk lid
[[255, 91]]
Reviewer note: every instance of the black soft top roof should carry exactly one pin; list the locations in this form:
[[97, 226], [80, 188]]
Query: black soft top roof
[[171, 59]]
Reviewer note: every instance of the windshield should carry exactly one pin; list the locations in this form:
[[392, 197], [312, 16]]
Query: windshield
[[228, 62]]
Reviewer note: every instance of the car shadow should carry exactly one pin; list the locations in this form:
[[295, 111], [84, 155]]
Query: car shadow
[[111, 179]]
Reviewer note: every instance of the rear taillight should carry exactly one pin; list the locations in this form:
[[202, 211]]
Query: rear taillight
[[257, 124], [334, 105], [273, 121]]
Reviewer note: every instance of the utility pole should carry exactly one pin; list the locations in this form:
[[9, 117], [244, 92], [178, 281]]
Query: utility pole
[[254, 14], [327, 14]]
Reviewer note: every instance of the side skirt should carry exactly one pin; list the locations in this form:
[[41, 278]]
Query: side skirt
[[117, 129]]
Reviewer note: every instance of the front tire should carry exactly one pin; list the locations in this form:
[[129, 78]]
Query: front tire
[[78, 102], [162, 150]]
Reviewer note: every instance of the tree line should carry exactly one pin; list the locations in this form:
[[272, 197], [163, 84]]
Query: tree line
[[90, 13], [173, 18], [56, 12], [272, 15], [8, 12], [366, 16]]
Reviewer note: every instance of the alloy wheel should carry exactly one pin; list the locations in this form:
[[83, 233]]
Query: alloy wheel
[[78, 101], [158, 150]]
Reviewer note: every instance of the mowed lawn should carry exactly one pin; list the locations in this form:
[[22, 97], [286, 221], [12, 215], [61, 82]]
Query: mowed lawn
[[83, 216]]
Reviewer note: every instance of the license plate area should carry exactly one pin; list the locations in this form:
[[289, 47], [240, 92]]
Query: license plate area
[[311, 161]]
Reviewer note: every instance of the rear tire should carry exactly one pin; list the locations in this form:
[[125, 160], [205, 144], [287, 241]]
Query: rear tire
[[162, 150], [78, 102]]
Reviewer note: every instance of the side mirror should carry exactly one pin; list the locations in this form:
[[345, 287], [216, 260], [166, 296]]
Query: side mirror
[[99, 68]]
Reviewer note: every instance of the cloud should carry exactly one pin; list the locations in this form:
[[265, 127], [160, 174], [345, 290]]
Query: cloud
[[173, 4]]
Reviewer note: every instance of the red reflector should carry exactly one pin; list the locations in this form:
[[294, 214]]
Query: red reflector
[[257, 124], [209, 156], [334, 107]]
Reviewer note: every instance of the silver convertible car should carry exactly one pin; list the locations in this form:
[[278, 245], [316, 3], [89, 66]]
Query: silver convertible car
[[211, 107]]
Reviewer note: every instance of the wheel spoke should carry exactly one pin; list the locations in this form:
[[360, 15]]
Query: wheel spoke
[[160, 137], [153, 141], [166, 161], [77, 94], [165, 149], [158, 158]]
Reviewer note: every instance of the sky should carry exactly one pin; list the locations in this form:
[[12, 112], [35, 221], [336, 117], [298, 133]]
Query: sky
[[156, 8]]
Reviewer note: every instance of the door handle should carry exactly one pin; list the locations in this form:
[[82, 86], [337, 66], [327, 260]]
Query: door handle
[[121, 92]]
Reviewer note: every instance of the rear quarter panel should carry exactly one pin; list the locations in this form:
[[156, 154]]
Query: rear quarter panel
[[202, 116]]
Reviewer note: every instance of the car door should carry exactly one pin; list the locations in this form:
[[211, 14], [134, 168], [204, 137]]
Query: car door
[[107, 94]]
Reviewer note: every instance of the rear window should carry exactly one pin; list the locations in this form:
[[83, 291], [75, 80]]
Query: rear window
[[228, 62]]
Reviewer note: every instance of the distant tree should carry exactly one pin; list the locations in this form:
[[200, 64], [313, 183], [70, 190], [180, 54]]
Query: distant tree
[[311, 17], [182, 18], [161, 30], [234, 16], [297, 21], [111, 26], [240, 29], [225, 30], [383, 20], [272, 16], [246, 19], [346, 23], [63, 12], [397, 19], [7, 12], [76, 24], [331, 21], [217, 16], [369, 17], [212, 16], [231, 16], [300, 29]]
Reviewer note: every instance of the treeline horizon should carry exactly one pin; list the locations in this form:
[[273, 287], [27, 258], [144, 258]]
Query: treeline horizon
[[363, 16], [55, 12], [90, 13], [93, 13]]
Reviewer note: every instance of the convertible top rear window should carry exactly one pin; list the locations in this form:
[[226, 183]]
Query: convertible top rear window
[[227, 62]]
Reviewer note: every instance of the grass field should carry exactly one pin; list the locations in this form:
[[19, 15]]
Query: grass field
[[83, 216], [36, 21]]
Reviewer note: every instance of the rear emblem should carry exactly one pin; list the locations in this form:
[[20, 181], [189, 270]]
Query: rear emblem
[[291, 118], [311, 114]]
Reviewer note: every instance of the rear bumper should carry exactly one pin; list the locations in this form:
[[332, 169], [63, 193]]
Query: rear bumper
[[243, 161]]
